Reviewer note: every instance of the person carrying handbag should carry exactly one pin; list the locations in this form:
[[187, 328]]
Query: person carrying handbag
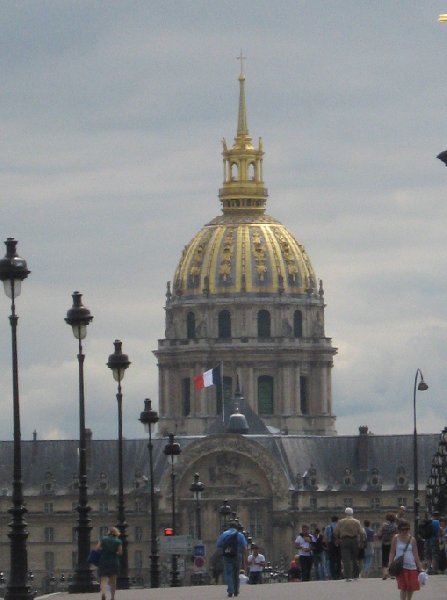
[[404, 544]]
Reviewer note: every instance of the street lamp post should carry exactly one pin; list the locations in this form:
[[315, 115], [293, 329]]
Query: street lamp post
[[422, 386], [118, 363], [173, 450], [78, 316], [13, 270], [197, 488], [225, 512], [149, 417]]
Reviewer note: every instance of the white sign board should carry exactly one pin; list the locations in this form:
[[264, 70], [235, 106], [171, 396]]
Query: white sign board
[[177, 544]]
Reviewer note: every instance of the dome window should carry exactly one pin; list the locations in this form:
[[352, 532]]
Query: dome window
[[265, 395], [252, 172], [224, 324], [227, 394], [304, 399], [298, 324], [234, 171], [190, 326], [264, 324], [186, 396]]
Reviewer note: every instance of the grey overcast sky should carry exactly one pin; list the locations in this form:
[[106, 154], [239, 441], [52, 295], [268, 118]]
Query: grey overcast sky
[[112, 115]]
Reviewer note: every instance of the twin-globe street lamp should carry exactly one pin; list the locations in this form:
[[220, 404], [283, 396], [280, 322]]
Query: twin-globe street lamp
[[422, 386], [173, 450], [78, 316], [13, 270], [118, 363], [149, 418]]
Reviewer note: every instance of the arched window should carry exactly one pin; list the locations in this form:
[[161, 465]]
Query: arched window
[[264, 324], [233, 172], [186, 396], [224, 324], [298, 324], [227, 392], [304, 400], [190, 326], [251, 171], [265, 395]]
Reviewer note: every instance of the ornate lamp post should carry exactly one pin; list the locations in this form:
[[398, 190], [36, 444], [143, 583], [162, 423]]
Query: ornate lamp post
[[422, 386], [13, 270], [118, 363], [225, 512], [197, 488], [173, 450], [78, 316], [149, 417]]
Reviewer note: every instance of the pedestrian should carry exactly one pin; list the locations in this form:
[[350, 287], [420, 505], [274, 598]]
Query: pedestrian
[[242, 577], [256, 563], [111, 548], [234, 550], [369, 548], [350, 533], [403, 543], [385, 535], [401, 514], [304, 543], [318, 556], [332, 549]]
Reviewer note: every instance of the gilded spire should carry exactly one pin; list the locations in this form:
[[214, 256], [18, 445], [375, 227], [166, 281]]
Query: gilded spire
[[243, 187], [242, 127]]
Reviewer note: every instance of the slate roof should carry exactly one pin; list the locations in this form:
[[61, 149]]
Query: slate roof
[[295, 454]]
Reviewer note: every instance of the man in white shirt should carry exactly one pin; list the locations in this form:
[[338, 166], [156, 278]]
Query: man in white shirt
[[256, 563]]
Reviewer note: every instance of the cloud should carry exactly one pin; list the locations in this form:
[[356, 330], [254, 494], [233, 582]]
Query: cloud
[[111, 128]]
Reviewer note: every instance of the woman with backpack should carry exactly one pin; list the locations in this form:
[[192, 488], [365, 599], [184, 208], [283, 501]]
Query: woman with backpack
[[385, 535]]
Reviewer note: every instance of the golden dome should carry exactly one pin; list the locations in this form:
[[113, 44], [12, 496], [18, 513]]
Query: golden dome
[[243, 251]]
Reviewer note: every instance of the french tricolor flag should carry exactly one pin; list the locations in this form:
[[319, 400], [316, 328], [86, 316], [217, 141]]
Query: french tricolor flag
[[211, 377]]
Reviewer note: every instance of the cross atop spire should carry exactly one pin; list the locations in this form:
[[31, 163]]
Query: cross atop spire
[[241, 57]]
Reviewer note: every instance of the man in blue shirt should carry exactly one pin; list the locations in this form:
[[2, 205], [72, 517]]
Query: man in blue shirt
[[234, 550]]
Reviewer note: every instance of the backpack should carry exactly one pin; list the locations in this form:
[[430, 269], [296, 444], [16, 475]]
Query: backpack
[[230, 547], [426, 530]]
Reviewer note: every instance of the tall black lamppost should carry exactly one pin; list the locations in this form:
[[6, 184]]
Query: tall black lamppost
[[149, 417], [422, 386], [13, 271], [173, 450], [78, 316], [197, 488], [119, 362], [225, 512]]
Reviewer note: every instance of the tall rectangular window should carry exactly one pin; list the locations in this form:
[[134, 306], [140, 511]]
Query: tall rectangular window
[[48, 534], [48, 508], [227, 391], [49, 562], [304, 400], [138, 560], [186, 396], [265, 395], [138, 533], [103, 507]]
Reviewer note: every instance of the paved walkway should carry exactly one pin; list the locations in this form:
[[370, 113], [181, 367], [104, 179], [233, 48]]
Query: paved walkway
[[364, 589]]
